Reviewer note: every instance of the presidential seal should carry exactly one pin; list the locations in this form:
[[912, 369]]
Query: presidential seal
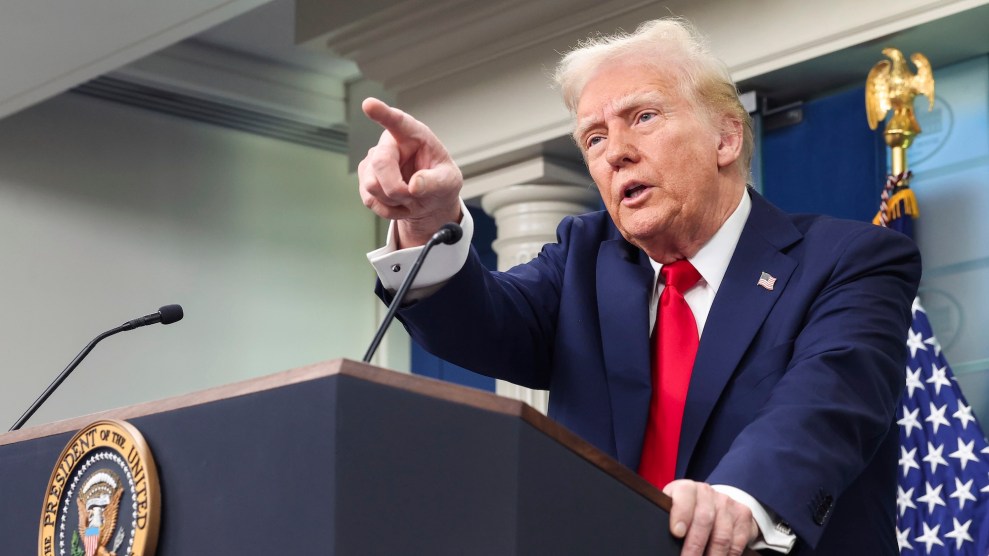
[[102, 498]]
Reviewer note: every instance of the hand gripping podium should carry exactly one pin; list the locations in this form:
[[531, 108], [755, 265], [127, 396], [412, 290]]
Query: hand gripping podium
[[342, 458]]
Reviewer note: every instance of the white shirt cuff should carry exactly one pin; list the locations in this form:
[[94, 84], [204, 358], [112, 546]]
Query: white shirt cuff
[[775, 534], [393, 265]]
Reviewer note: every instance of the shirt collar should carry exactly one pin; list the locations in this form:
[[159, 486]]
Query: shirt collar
[[712, 260]]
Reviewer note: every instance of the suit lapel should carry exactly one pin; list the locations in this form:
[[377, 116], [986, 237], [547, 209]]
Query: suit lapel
[[624, 281], [739, 309]]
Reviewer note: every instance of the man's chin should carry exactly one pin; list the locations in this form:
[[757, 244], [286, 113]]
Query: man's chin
[[639, 240], [650, 240], [637, 229]]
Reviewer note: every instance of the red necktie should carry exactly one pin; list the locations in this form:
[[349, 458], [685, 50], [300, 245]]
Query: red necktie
[[674, 349]]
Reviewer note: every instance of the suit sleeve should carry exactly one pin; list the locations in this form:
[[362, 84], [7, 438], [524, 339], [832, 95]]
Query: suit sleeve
[[833, 406]]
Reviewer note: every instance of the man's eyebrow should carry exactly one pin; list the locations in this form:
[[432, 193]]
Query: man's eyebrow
[[632, 101], [583, 125], [620, 105]]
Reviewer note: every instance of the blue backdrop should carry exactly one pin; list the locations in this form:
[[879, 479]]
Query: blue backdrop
[[830, 163]]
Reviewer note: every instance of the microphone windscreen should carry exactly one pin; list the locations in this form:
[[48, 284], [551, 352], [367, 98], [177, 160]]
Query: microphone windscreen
[[171, 313], [455, 233]]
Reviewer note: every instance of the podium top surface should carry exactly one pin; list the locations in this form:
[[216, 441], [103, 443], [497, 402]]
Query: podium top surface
[[343, 367]]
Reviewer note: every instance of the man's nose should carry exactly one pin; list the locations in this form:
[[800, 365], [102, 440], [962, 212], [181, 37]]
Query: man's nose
[[621, 149]]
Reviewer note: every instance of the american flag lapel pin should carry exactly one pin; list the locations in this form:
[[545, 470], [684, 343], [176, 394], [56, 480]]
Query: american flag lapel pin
[[767, 281]]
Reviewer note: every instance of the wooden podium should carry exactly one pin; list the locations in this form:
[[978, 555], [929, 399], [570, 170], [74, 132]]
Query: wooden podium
[[341, 458]]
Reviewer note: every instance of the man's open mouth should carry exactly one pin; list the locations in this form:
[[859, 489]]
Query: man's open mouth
[[634, 191]]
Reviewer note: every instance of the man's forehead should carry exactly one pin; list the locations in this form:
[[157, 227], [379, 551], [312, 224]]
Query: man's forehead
[[594, 111], [625, 101], [617, 88]]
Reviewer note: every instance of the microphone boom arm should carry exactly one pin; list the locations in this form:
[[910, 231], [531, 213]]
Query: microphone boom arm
[[64, 375], [449, 234], [165, 315]]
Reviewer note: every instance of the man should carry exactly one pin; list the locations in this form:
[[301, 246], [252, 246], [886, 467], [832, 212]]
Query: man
[[775, 368]]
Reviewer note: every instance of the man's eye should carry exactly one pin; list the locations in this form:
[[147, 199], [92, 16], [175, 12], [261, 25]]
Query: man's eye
[[645, 117], [594, 140]]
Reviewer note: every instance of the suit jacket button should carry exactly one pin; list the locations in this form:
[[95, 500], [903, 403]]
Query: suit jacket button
[[823, 510]]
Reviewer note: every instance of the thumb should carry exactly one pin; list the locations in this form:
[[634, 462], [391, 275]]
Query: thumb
[[435, 182]]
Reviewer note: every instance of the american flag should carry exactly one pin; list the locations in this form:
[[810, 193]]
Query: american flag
[[942, 497], [766, 280]]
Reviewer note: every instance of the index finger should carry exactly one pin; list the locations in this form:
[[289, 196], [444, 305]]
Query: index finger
[[398, 123]]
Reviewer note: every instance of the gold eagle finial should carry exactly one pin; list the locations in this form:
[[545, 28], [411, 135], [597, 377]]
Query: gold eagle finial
[[891, 86]]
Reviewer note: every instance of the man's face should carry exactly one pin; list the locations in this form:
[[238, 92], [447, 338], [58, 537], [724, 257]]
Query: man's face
[[659, 165]]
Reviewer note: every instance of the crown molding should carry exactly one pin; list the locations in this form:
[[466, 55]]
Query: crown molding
[[407, 43], [410, 44]]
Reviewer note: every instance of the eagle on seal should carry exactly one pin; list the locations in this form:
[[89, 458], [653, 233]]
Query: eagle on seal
[[98, 520]]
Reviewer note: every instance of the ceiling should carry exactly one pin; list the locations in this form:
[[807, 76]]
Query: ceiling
[[268, 33]]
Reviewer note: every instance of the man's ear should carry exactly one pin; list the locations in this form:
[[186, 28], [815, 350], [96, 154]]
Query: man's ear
[[730, 142]]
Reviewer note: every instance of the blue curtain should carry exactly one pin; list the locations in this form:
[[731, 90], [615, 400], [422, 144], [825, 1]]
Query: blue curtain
[[830, 163]]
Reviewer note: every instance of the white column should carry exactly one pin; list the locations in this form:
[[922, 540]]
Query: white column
[[527, 217]]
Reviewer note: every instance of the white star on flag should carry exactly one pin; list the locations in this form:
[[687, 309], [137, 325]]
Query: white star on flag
[[960, 533], [902, 538], [936, 417], [938, 378], [913, 381], [909, 421], [930, 538], [934, 456], [963, 492], [908, 460], [932, 497], [964, 416], [915, 341], [904, 500], [964, 453]]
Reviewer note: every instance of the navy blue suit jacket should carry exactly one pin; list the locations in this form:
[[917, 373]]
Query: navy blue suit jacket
[[793, 392]]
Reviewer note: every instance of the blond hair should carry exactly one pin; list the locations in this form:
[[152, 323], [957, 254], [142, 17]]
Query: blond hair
[[668, 44]]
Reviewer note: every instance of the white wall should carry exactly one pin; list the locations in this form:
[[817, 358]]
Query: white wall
[[108, 212]]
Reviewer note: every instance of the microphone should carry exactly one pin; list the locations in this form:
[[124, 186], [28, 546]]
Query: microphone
[[165, 315], [448, 234]]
